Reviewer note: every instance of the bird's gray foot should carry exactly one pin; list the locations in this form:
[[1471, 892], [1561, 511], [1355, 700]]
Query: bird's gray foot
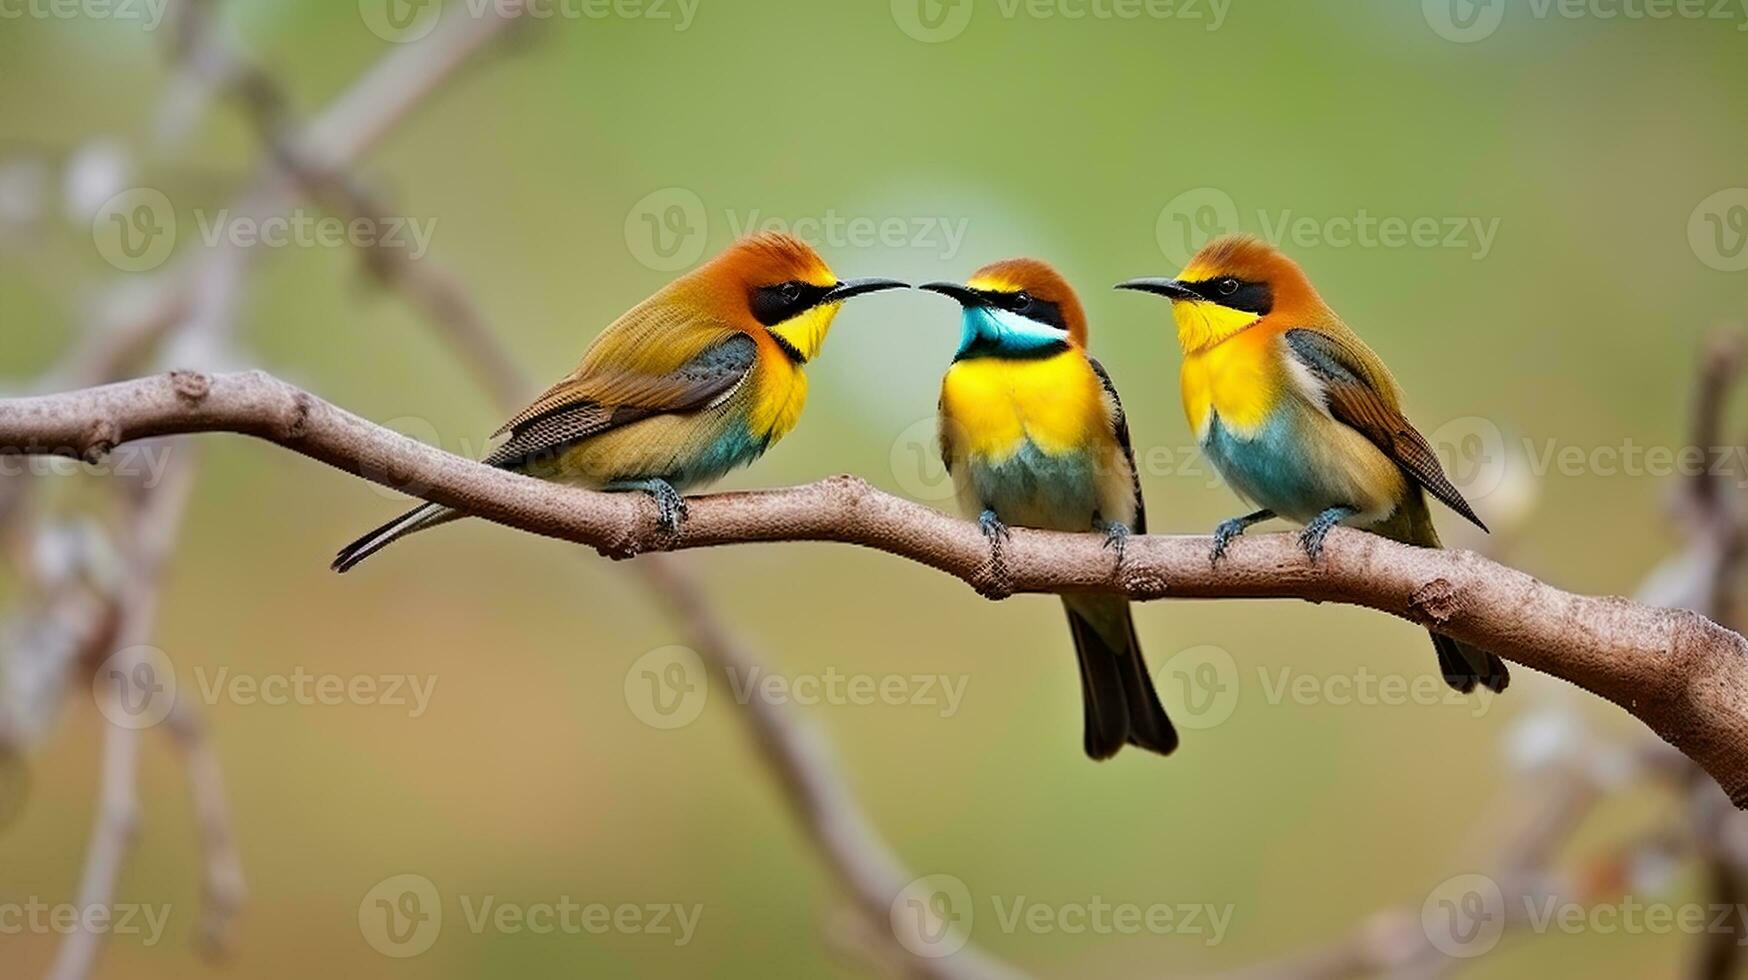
[[998, 535], [1116, 537], [1311, 539], [1228, 530], [670, 506], [993, 529]]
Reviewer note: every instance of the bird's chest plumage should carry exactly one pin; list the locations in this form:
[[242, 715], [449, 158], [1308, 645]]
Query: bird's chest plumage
[[1276, 465], [1240, 381], [999, 405], [1030, 438], [776, 394], [1273, 443]]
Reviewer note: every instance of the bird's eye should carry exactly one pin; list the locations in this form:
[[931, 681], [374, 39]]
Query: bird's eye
[[1228, 287], [791, 291], [1020, 301]]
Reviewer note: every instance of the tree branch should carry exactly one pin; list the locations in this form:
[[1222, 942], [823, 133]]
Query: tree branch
[[118, 810], [1683, 675]]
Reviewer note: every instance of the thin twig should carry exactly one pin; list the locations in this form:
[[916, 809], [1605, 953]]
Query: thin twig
[[826, 810], [159, 517], [223, 888]]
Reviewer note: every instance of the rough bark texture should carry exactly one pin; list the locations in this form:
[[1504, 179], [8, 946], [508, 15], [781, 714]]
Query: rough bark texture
[[1681, 674]]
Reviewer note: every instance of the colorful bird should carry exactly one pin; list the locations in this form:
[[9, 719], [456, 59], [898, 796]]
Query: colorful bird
[[1301, 418], [1033, 434], [695, 381]]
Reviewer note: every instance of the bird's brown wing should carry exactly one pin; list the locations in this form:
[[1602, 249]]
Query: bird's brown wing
[[1120, 425], [644, 359], [1354, 399], [569, 411]]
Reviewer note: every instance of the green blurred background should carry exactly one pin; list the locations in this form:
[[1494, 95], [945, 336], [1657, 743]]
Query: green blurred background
[[1589, 141]]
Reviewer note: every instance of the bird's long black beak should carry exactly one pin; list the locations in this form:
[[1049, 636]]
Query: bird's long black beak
[[856, 287], [967, 297], [1169, 288]]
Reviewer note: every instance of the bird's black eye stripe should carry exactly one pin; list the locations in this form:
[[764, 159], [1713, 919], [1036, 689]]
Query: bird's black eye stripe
[[1237, 294], [774, 304], [1025, 304]]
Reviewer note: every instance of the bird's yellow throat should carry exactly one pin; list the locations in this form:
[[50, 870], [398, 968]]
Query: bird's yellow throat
[[806, 332], [1202, 325]]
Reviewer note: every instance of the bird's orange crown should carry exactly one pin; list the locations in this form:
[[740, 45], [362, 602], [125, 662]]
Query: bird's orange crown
[[1249, 259], [1042, 282], [769, 283], [767, 259]]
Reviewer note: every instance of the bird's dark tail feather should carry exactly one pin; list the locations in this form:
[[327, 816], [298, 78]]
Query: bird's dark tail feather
[[1121, 705], [417, 519], [1465, 666]]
